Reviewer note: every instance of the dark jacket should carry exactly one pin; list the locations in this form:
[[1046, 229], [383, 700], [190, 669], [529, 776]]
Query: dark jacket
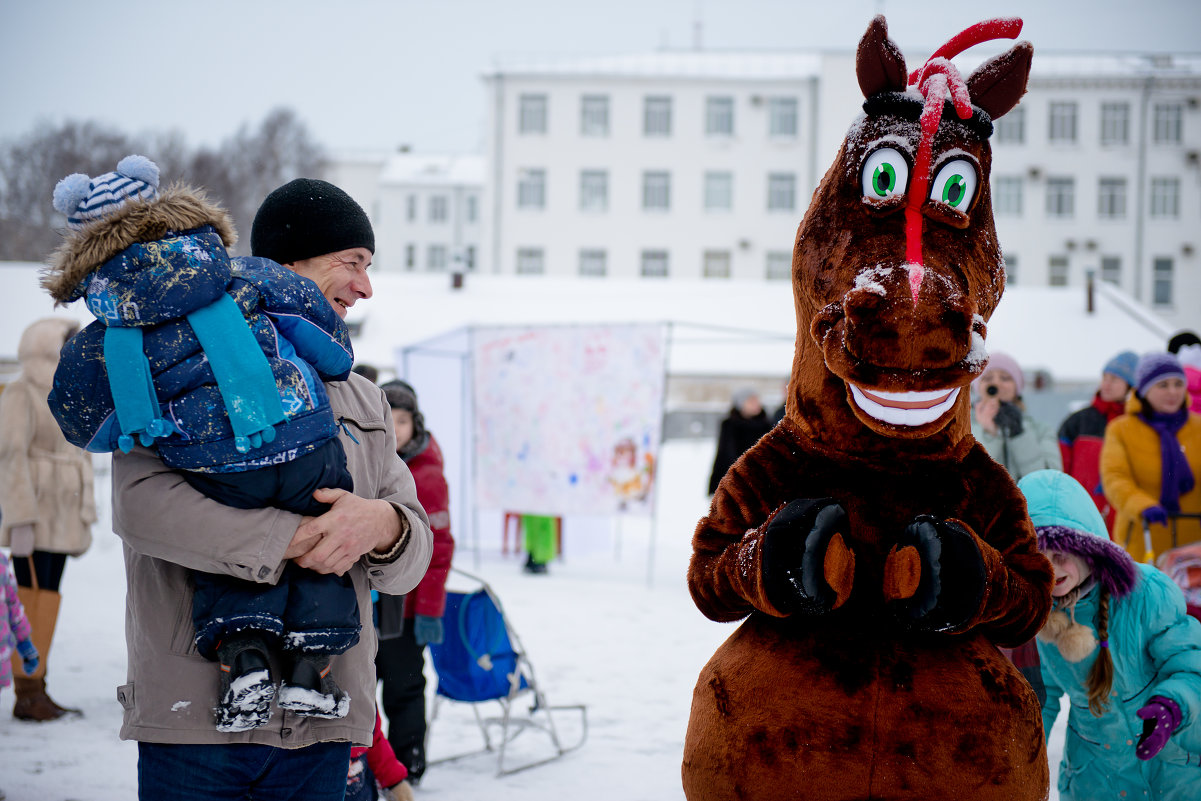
[[737, 435], [152, 282], [1080, 438]]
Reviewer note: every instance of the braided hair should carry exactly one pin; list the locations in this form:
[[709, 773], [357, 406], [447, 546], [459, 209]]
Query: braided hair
[[1100, 676]]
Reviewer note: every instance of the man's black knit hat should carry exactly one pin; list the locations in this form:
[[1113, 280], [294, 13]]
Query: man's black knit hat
[[306, 218]]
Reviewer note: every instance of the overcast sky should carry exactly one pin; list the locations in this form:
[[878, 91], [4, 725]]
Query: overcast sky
[[367, 74]]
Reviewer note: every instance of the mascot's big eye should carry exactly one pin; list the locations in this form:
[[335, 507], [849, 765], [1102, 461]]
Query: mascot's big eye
[[885, 174], [955, 184]]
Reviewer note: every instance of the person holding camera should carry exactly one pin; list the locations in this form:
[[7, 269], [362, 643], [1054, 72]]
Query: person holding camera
[[1013, 438]]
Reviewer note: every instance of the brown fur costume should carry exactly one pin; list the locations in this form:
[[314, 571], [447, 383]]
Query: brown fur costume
[[881, 562]]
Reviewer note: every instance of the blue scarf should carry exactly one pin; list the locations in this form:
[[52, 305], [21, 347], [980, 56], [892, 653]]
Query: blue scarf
[[1177, 475]]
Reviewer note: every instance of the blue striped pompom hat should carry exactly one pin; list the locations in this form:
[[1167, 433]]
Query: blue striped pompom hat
[[85, 200]]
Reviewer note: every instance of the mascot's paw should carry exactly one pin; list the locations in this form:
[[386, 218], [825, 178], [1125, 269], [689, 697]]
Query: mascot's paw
[[934, 575], [807, 566]]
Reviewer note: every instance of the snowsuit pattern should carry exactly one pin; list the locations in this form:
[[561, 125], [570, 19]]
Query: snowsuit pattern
[[14, 626]]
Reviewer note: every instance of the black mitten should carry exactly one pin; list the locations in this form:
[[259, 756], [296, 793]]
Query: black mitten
[[794, 555], [951, 584]]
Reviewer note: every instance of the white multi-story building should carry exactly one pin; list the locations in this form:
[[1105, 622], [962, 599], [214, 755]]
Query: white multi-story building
[[700, 164], [426, 209]]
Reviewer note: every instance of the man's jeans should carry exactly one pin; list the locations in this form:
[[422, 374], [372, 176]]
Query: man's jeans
[[242, 771]]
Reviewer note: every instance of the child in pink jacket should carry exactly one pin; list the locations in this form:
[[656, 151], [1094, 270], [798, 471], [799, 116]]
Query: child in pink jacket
[[14, 627]]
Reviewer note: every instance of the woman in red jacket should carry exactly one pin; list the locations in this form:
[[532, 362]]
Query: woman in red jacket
[[407, 624]]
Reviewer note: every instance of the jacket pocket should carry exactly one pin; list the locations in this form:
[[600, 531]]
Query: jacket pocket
[[183, 633], [125, 696]]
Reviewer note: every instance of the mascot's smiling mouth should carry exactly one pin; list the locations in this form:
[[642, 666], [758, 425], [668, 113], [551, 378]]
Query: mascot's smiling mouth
[[904, 408]]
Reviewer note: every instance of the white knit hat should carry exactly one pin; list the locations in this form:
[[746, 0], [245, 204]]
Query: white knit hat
[[85, 200]]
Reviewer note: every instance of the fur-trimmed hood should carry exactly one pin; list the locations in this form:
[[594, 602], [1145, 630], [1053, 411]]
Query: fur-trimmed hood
[[1066, 520], [180, 208]]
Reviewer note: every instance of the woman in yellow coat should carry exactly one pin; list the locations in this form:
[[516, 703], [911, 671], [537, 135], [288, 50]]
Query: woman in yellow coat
[[1151, 460]]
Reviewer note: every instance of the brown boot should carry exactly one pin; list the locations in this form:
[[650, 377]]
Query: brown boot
[[32, 701]]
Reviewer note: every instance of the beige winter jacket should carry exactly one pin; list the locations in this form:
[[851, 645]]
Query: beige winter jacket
[[170, 529], [44, 480]]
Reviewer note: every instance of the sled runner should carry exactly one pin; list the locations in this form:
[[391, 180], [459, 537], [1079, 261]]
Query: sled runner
[[482, 661]]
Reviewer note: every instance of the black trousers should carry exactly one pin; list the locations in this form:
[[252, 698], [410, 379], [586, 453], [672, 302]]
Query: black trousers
[[400, 665]]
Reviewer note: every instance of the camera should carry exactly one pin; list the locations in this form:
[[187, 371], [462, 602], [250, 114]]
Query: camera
[[991, 390]]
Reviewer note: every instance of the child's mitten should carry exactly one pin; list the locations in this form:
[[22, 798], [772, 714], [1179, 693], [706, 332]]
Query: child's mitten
[[1160, 717], [427, 630], [29, 656]]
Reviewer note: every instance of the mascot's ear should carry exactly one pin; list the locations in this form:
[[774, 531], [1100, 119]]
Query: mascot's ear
[[879, 64], [999, 83]]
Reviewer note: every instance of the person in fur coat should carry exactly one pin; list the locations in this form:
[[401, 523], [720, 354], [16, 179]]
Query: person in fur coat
[[47, 501], [220, 365], [1122, 649]]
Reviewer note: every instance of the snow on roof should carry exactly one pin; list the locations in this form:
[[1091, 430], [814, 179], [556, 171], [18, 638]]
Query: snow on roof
[[410, 168], [717, 327], [750, 65]]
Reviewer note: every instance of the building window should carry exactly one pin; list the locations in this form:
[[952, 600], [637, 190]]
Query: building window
[[719, 191], [531, 114], [654, 264], [719, 116], [1111, 198], [782, 116], [435, 258], [1011, 268], [593, 263], [1061, 197], [1115, 123], [1057, 271], [1165, 198], [529, 261], [1111, 270], [1168, 121], [781, 191], [469, 257], [410, 256], [594, 190], [716, 264], [531, 189], [656, 116], [1007, 195], [656, 191], [472, 212], [594, 115], [1011, 129], [1063, 122], [411, 208], [779, 265], [437, 208], [1161, 278]]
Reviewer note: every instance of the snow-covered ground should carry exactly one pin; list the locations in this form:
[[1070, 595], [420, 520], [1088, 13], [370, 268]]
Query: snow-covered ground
[[601, 629]]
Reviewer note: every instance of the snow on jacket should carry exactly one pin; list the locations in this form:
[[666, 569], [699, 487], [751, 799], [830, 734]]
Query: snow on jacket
[[1036, 448], [1080, 438], [167, 259], [429, 599], [45, 481], [1131, 474], [170, 529], [14, 626]]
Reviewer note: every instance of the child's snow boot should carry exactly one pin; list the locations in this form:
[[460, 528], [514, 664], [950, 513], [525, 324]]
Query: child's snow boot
[[246, 686], [311, 690]]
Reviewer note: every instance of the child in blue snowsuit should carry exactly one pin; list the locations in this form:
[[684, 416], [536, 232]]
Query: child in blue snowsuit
[[219, 364], [1120, 645]]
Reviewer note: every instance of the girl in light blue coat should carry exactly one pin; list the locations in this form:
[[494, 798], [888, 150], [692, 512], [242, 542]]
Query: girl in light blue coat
[[1119, 644]]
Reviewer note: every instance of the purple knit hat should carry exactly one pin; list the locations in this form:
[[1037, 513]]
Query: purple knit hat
[[1155, 367], [1005, 363]]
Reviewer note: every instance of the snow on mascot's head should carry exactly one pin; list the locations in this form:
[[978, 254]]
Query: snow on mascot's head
[[880, 554]]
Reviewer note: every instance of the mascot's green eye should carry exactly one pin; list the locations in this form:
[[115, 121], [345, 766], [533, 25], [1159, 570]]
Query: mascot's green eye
[[955, 184], [885, 173]]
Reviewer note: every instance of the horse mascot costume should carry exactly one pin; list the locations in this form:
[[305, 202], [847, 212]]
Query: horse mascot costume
[[881, 555]]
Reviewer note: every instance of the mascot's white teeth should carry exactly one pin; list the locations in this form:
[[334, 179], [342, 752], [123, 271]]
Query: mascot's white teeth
[[904, 408]]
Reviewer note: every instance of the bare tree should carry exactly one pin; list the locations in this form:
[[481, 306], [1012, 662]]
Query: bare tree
[[238, 174]]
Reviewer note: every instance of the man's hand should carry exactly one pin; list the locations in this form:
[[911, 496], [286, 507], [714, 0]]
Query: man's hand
[[352, 527]]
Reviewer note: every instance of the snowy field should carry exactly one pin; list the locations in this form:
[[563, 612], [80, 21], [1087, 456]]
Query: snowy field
[[598, 632]]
